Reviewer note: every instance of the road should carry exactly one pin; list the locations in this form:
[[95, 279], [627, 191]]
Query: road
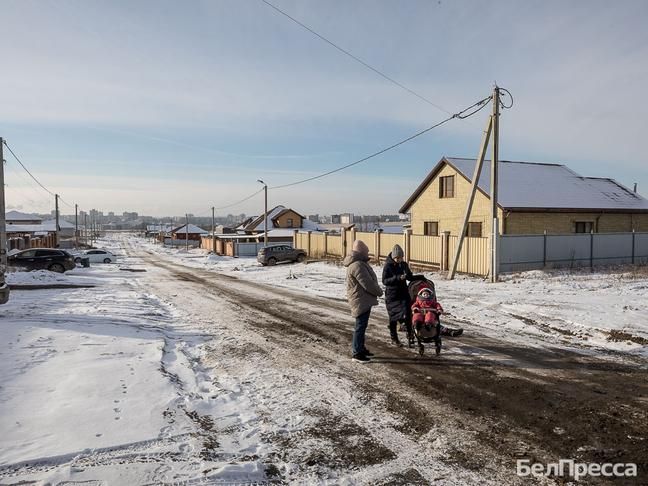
[[463, 417]]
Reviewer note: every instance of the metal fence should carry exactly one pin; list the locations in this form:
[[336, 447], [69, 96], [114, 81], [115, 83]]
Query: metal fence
[[530, 252]]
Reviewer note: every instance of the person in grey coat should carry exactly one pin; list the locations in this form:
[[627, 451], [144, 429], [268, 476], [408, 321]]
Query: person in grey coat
[[363, 291]]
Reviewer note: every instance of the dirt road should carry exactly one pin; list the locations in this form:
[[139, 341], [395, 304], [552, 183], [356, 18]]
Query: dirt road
[[464, 417]]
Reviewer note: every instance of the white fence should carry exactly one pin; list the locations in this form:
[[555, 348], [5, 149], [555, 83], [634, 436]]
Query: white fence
[[529, 252]]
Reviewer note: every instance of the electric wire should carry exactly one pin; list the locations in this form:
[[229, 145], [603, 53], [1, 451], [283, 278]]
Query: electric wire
[[463, 114], [241, 201], [356, 58]]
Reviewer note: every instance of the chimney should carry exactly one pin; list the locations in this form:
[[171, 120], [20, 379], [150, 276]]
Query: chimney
[[635, 188]]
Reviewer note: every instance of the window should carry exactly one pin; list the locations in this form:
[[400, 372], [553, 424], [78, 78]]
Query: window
[[289, 223], [583, 227], [28, 254], [431, 228], [47, 253], [474, 230], [446, 186]]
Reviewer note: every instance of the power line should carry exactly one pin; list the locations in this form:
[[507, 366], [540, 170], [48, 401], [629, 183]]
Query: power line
[[463, 114], [356, 58], [241, 201], [32, 175]]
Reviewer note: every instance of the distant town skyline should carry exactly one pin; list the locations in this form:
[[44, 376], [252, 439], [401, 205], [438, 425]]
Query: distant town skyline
[[167, 108]]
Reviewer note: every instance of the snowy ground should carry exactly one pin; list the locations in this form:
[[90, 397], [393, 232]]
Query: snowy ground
[[195, 371], [605, 311]]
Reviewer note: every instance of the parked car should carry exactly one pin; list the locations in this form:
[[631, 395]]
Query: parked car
[[51, 259], [96, 256], [273, 254]]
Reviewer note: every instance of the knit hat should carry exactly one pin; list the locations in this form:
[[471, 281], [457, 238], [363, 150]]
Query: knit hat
[[360, 247], [397, 251]]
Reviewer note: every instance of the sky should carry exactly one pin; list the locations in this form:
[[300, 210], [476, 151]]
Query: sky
[[167, 107]]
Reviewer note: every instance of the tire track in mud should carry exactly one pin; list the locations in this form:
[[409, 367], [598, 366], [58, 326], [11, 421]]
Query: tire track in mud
[[538, 404]]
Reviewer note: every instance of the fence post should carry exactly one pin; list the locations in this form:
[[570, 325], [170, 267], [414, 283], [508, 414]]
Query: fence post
[[377, 234], [633, 246], [295, 243], [344, 242], [445, 251], [309, 244], [325, 243], [544, 249], [592, 250], [407, 244], [353, 236]]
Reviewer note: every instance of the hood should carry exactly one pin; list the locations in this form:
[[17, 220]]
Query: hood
[[354, 257], [389, 260]]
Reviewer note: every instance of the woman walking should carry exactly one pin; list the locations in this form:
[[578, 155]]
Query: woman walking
[[363, 291], [396, 273]]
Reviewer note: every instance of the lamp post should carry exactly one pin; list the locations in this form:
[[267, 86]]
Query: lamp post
[[265, 213]]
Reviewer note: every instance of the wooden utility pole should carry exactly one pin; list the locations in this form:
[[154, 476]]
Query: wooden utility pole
[[494, 181], [4, 289], [187, 232], [76, 225], [265, 213], [471, 197], [85, 229], [213, 230], [58, 227]]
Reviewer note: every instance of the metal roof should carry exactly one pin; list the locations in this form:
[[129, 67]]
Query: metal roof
[[528, 185]]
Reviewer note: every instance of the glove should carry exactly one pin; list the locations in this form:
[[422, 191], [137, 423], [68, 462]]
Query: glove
[[402, 277]]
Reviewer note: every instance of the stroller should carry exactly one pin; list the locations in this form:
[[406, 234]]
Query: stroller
[[422, 332]]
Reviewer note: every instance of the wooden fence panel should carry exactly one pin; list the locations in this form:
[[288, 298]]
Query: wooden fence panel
[[425, 249], [474, 258], [369, 239], [317, 245], [334, 246], [387, 242]]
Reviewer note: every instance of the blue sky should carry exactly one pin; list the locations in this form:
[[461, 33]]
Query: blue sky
[[172, 107]]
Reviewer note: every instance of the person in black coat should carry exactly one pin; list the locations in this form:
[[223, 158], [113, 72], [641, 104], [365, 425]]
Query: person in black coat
[[396, 274]]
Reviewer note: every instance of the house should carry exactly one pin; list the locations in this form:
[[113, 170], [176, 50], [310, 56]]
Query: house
[[17, 217], [188, 232], [66, 229], [532, 198]]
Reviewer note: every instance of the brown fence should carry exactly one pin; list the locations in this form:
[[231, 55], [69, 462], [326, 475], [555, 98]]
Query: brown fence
[[427, 251]]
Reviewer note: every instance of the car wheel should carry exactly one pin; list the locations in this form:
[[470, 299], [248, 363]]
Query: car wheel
[[56, 267], [301, 258], [272, 261], [77, 260], [107, 260]]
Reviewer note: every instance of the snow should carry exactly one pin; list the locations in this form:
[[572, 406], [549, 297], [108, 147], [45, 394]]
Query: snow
[[558, 308], [136, 381], [530, 185]]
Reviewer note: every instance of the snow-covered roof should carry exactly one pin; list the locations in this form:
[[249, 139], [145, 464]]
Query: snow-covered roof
[[193, 229], [50, 224], [526, 185], [159, 227], [25, 228], [14, 215]]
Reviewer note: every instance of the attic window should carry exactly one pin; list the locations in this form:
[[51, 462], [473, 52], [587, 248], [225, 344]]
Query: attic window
[[289, 223], [446, 186]]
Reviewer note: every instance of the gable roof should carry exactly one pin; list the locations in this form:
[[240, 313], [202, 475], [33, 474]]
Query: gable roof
[[14, 215], [192, 229], [286, 210], [533, 186], [50, 224]]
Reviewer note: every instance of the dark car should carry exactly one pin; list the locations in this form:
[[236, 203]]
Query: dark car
[[271, 255], [50, 259]]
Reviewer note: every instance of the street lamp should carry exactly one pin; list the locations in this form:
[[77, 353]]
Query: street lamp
[[265, 213]]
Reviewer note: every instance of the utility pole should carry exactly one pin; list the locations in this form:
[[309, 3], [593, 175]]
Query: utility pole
[[265, 213], [187, 232], [58, 227], [213, 230], [493, 184], [85, 229], [4, 289], [76, 225]]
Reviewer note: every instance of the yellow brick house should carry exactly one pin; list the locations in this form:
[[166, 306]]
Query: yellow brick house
[[533, 198]]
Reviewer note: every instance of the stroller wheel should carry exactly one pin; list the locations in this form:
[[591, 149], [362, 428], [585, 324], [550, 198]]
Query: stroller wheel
[[421, 349]]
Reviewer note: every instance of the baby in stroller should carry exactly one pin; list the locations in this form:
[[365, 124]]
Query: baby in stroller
[[426, 325]]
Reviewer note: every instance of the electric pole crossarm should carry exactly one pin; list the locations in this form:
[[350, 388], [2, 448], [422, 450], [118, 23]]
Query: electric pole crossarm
[[473, 190]]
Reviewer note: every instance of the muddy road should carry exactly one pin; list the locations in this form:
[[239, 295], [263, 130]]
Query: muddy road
[[464, 417]]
